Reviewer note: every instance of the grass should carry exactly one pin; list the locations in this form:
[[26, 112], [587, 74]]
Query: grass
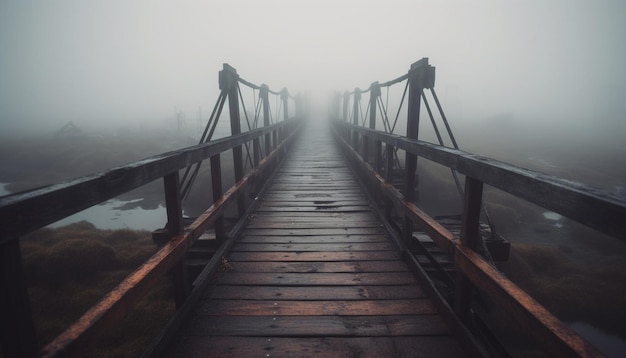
[[69, 269], [595, 294]]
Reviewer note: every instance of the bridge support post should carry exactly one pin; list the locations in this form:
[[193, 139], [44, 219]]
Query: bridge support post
[[355, 118], [470, 236], [175, 226], [346, 99], [229, 80], [217, 191], [412, 132], [17, 334], [265, 102], [421, 75], [374, 93]]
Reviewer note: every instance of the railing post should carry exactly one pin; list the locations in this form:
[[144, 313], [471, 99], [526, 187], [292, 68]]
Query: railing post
[[412, 132], [217, 191], [18, 329], [229, 80], [389, 176], [265, 102], [346, 100], [355, 118], [284, 96], [470, 236], [175, 225], [421, 76], [374, 93]]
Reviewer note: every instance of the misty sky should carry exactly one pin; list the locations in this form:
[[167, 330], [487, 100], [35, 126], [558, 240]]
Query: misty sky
[[134, 61]]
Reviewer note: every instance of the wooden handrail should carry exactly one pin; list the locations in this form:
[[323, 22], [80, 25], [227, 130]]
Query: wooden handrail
[[25, 212], [593, 207], [119, 301], [553, 335]]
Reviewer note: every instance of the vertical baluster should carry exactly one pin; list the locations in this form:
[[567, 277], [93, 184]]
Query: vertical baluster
[[265, 102], [229, 79], [355, 118], [175, 226], [18, 329], [389, 176], [470, 234], [412, 129], [346, 100], [217, 191]]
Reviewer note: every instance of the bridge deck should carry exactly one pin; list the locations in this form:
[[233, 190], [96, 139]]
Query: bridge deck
[[315, 273]]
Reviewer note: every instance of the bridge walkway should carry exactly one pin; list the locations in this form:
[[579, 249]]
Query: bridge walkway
[[314, 274]]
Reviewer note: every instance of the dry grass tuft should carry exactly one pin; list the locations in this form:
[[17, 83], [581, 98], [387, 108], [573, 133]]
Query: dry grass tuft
[[573, 292], [71, 268]]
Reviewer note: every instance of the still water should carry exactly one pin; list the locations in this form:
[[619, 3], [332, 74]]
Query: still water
[[3, 190], [109, 216]]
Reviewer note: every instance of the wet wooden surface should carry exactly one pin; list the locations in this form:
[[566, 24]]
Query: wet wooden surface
[[315, 274]]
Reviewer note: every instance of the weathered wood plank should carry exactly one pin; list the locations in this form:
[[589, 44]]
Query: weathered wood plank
[[315, 203], [319, 326], [317, 224], [315, 293], [308, 232], [297, 247], [321, 267], [314, 239], [365, 347], [314, 256], [317, 279], [274, 308]]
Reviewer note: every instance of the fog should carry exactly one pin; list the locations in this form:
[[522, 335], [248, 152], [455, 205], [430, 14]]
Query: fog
[[135, 63]]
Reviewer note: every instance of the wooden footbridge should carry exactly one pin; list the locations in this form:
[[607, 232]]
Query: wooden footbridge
[[330, 255]]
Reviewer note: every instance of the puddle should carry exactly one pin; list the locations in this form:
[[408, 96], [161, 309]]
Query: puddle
[[552, 216], [3, 189], [110, 216]]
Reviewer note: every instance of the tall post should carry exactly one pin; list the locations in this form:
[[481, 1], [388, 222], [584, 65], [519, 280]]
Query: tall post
[[217, 191], [421, 76], [355, 118], [17, 333], [346, 99], [284, 96], [229, 80], [265, 102], [374, 94], [470, 236], [175, 225]]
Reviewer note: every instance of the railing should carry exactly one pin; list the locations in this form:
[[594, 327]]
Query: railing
[[372, 153], [25, 212]]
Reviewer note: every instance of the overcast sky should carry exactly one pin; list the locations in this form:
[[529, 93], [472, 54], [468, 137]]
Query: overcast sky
[[134, 61]]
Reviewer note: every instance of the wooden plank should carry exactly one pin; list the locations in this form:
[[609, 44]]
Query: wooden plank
[[365, 347], [315, 293], [314, 239], [304, 267], [297, 247], [319, 326], [338, 208], [316, 279], [315, 216], [276, 308], [314, 256], [317, 224], [309, 232], [316, 203]]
